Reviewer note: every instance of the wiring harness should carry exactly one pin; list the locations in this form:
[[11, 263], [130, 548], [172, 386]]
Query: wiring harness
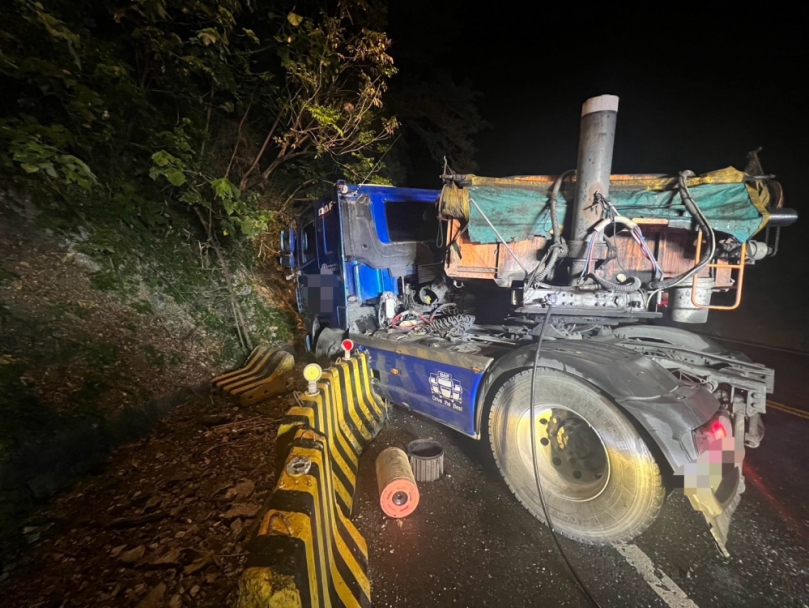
[[443, 321]]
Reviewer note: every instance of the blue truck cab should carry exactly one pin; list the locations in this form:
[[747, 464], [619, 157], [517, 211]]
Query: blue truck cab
[[353, 247], [364, 255]]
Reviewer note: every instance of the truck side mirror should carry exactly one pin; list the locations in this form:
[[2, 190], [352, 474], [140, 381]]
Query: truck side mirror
[[287, 261], [291, 240], [284, 242]]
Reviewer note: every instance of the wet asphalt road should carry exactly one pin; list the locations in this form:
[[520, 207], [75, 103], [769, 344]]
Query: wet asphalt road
[[470, 543]]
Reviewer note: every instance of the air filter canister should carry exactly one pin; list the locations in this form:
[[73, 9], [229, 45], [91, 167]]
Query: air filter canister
[[426, 459], [398, 493]]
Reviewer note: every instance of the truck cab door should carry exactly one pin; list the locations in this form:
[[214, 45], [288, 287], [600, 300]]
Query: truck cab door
[[321, 285], [307, 262]]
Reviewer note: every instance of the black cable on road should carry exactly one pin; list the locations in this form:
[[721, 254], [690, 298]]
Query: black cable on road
[[548, 521]]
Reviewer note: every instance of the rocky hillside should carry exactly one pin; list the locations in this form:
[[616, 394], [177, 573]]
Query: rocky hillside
[[103, 330]]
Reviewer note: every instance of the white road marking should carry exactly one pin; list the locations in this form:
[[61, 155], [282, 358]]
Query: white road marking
[[666, 588]]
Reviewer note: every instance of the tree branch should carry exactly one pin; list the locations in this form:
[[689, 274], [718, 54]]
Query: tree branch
[[256, 160], [281, 159], [238, 317], [238, 138]]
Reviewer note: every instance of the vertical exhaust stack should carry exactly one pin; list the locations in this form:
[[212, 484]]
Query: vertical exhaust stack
[[596, 140]]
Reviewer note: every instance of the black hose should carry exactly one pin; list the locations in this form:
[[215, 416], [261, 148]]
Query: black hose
[[548, 521], [549, 265], [631, 287], [557, 185], [695, 211], [558, 247]]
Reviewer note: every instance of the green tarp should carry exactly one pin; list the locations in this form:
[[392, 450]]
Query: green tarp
[[519, 210]]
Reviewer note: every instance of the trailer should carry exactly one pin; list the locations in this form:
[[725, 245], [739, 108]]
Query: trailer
[[545, 315]]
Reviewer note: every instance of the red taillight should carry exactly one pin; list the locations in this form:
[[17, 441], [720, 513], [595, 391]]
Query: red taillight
[[713, 431]]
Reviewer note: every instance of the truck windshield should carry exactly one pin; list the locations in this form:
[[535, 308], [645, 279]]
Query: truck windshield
[[411, 221]]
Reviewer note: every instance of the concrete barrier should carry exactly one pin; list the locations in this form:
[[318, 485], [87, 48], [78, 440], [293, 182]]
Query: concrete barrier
[[307, 551], [266, 373]]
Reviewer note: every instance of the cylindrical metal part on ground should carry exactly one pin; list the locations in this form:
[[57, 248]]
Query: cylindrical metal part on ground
[[683, 309], [398, 492], [599, 116], [426, 459]]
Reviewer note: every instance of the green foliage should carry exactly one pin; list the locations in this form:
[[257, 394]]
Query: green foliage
[[222, 104], [101, 95], [28, 148], [171, 167]]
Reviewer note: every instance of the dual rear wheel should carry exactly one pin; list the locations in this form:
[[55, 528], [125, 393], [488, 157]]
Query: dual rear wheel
[[600, 482]]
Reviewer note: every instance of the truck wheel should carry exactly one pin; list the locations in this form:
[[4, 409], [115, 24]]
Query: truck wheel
[[600, 482], [327, 342]]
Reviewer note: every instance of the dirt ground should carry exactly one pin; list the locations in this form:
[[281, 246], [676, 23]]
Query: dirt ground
[[78, 343], [164, 523]]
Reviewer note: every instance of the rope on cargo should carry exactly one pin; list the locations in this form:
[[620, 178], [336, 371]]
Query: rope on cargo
[[499, 236]]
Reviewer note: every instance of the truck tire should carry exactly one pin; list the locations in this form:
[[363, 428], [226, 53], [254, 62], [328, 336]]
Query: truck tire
[[600, 482], [327, 342]]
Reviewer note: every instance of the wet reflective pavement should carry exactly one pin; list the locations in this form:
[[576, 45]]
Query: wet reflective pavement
[[470, 543]]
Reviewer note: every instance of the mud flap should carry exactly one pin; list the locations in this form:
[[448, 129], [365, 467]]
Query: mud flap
[[721, 524], [714, 485]]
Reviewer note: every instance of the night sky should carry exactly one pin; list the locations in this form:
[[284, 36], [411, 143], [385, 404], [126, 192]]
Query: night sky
[[699, 87]]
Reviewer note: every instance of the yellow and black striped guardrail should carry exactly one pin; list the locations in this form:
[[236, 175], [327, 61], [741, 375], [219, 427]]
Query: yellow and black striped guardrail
[[308, 551], [267, 372]]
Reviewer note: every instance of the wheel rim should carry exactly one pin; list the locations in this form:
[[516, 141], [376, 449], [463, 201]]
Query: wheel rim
[[571, 457]]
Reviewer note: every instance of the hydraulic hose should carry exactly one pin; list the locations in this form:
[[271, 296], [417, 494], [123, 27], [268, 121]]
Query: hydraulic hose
[[695, 211], [635, 283], [551, 258], [558, 247], [631, 287]]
